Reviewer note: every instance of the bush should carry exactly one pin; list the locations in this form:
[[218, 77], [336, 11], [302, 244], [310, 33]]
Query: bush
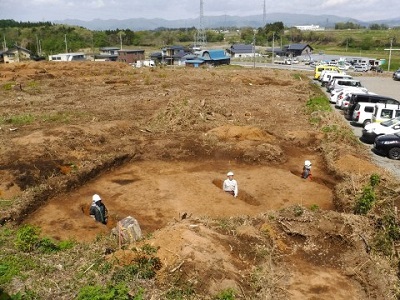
[[27, 238], [365, 201]]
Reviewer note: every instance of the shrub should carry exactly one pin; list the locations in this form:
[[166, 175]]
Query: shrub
[[375, 179], [27, 238], [365, 202]]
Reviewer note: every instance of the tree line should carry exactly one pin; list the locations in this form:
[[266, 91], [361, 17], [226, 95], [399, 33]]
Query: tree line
[[45, 38]]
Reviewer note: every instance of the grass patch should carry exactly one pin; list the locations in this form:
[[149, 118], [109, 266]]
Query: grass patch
[[318, 103], [18, 120], [5, 203], [57, 117]]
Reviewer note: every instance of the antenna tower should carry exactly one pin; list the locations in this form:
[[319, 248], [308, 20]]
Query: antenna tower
[[201, 38], [264, 14]]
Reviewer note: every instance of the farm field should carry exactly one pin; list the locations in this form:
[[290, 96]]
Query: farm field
[[156, 144]]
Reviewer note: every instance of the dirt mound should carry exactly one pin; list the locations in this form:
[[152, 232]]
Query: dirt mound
[[351, 164]]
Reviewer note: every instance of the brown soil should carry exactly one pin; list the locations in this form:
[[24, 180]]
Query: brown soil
[[156, 144]]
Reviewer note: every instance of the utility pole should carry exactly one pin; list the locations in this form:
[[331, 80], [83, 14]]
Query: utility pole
[[4, 44], [66, 45], [120, 40], [254, 50], [264, 15], [273, 47], [390, 52]]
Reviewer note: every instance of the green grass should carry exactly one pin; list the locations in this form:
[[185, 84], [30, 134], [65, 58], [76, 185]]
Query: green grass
[[17, 120]]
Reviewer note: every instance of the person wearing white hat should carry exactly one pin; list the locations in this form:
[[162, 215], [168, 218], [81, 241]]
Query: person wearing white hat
[[98, 210], [306, 170], [230, 185]]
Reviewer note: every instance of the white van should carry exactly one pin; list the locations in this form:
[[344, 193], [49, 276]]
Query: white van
[[340, 83], [346, 94], [384, 112], [372, 130], [326, 76], [334, 77], [363, 112]]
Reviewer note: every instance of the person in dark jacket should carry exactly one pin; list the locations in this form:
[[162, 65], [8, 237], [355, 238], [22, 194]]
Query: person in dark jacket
[[98, 210]]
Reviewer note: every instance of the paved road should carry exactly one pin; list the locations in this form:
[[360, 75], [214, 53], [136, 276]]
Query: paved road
[[386, 86]]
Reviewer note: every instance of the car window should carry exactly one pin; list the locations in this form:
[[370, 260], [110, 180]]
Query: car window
[[386, 113], [369, 109], [397, 114]]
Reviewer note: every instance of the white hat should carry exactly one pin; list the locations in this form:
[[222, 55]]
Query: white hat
[[96, 198], [307, 163], [230, 173]]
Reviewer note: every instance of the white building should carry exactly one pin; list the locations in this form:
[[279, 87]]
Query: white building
[[310, 27]]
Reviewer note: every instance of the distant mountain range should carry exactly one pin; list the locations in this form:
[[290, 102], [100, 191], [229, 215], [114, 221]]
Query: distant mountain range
[[224, 21]]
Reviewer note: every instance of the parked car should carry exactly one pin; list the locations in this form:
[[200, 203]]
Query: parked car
[[360, 68], [363, 113], [388, 145], [396, 75], [347, 93], [370, 97], [373, 130], [342, 82], [377, 69], [384, 112]]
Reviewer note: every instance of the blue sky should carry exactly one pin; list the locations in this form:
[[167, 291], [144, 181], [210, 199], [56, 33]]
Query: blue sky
[[87, 10]]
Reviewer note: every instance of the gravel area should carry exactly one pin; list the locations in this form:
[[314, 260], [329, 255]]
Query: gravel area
[[383, 85]]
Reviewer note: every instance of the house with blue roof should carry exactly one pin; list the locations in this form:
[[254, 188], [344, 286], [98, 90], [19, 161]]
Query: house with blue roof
[[214, 57]]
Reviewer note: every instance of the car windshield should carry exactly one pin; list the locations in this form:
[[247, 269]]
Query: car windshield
[[391, 122]]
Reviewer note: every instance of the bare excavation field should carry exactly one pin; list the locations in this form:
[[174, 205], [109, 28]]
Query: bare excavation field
[[156, 144]]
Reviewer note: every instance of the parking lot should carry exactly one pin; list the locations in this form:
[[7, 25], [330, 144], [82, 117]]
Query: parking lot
[[386, 86]]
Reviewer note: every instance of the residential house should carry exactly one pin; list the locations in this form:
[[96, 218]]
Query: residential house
[[297, 50], [173, 54], [241, 50], [16, 54], [107, 54], [130, 56], [214, 57]]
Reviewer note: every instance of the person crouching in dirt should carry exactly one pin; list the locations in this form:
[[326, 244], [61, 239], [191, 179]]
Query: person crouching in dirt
[[98, 210], [306, 170], [230, 185]]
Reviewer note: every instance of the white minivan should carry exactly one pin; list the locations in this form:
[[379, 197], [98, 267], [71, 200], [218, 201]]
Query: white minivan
[[363, 113], [326, 76], [342, 82], [384, 112], [372, 130]]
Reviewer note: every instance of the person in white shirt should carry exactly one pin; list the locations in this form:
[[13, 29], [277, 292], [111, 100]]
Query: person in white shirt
[[307, 170], [230, 185]]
